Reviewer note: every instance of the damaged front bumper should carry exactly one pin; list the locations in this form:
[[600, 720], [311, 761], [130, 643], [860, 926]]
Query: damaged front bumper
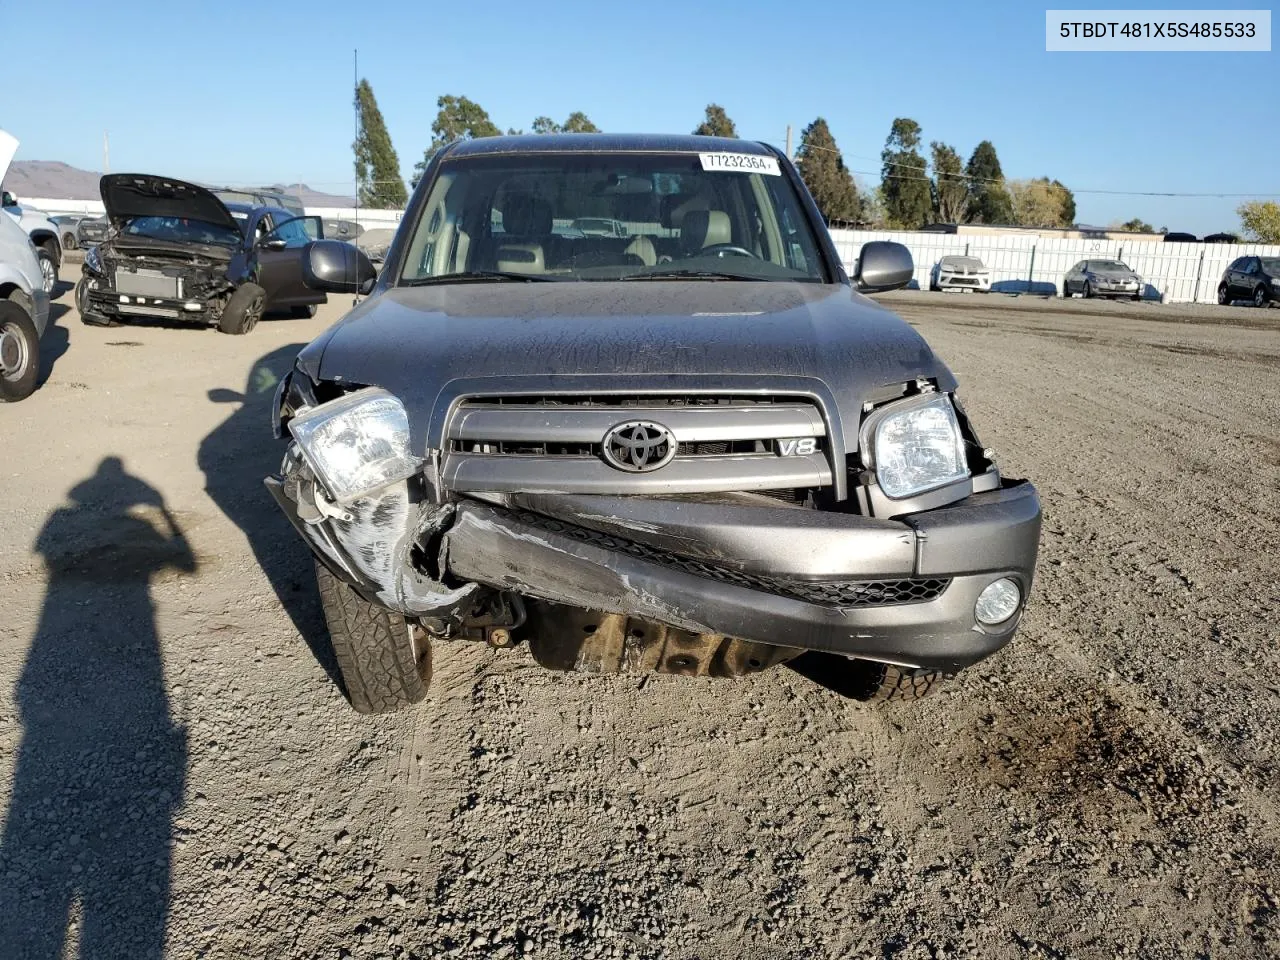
[[900, 591]]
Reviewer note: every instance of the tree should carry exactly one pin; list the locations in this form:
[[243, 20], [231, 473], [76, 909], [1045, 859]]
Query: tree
[[716, 124], [950, 189], [824, 173], [1041, 203], [1260, 220], [905, 187], [1068, 204], [458, 119], [377, 166], [578, 122], [988, 200], [1137, 226]]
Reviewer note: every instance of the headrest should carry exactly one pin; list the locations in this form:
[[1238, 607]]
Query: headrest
[[520, 258], [703, 228], [524, 215]]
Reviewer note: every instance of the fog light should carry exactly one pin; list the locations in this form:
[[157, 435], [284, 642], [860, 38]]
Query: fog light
[[998, 602]]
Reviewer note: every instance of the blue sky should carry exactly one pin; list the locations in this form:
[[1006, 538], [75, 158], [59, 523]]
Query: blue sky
[[261, 92]]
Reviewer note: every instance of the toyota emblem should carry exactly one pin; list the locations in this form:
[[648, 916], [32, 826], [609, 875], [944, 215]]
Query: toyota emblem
[[639, 446]]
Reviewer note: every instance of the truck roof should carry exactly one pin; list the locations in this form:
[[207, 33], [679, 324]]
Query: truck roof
[[605, 143]]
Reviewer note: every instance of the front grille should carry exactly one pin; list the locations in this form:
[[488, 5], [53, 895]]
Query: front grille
[[829, 593], [148, 283], [555, 444]]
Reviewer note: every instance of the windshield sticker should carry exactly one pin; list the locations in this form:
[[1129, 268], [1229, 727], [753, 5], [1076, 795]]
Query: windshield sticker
[[740, 163]]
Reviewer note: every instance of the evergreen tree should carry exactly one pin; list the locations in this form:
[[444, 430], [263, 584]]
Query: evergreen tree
[[988, 199], [950, 189], [716, 124], [824, 173], [578, 122], [377, 166], [907, 192], [458, 119]]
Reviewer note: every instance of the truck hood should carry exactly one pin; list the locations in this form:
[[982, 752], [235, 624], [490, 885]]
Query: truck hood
[[129, 195], [429, 344]]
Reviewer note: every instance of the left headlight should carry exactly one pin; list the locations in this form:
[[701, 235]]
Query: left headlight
[[357, 443], [916, 446], [93, 259]]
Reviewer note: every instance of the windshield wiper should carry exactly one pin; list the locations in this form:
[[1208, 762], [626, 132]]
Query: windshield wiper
[[492, 276], [689, 275]]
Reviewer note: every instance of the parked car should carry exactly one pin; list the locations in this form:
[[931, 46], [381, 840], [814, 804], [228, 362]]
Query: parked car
[[67, 224], [177, 252], [1102, 278], [712, 457], [1180, 238], [599, 227], [342, 229], [1256, 279], [262, 198], [24, 310], [960, 273], [92, 230], [42, 231], [1221, 238]]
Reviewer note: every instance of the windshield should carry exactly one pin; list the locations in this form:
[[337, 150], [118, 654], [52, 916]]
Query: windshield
[[1106, 265], [622, 216], [182, 230], [1271, 265]]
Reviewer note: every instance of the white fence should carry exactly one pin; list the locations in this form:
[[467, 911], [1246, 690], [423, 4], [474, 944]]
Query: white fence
[[369, 219], [1172, 272]]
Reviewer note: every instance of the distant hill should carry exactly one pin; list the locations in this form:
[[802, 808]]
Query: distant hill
[[61, 181]]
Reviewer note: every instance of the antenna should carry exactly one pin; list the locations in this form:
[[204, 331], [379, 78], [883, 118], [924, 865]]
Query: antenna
[[355, 110]]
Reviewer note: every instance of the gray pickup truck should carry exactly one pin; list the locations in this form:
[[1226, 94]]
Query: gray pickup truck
[[697, 448]]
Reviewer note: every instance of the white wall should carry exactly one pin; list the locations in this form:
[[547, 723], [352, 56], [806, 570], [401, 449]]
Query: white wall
[[1174, 272], [369, 219]]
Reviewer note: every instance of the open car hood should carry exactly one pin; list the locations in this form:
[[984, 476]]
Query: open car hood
[[129, 195]]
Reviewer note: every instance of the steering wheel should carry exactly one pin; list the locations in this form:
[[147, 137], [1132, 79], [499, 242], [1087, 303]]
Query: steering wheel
[[721, 249]]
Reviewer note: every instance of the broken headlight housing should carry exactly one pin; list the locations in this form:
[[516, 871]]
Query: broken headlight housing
[[915, 445], [356, 444]]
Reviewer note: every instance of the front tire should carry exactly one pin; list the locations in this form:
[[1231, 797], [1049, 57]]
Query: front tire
[[243, 310], [1088, 290], [1260, 298], [885, 682], [382, 667], [1223, 299], [87, 316], [48, 268], [305, 312], [19, 353], [68, 241]]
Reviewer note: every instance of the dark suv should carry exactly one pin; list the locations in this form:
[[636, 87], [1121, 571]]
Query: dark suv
[[1256, 279], [696, 448], [177, 252]]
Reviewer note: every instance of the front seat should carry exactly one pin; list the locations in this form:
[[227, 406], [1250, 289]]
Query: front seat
[[641, 246], [526, 225], [700, 229]]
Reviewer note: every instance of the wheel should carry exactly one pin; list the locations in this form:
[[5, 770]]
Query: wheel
[[87, 316], [305, 312], [19, 353], [1066, 290], [382, 667], [1223, 300], [1088, 289], [882, 682], [48, 268], [243, 310], [68, 241], [1260, 297]]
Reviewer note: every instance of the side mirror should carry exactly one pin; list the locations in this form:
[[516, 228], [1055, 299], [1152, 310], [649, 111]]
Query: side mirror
[[337, 267], [10, 200], [883, 265]]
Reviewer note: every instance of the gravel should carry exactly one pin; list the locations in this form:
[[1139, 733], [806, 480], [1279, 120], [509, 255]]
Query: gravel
[[172, 754]]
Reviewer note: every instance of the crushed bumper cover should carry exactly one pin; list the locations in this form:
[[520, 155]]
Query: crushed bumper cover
[[899, 591]]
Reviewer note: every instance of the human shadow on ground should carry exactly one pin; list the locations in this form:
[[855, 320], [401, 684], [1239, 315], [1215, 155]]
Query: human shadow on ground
[[235, 458], [101, 765]]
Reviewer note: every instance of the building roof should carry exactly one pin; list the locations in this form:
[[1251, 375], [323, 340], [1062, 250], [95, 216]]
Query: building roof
[[606, 143]]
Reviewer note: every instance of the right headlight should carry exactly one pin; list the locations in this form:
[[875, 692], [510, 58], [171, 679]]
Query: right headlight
[[356, 444], [916, 446], [93, 259]]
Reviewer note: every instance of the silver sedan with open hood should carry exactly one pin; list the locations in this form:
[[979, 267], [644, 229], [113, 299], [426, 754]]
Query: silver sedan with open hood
[[695, 447]]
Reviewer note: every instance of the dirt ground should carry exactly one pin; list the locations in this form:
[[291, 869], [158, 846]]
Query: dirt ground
[[176, 767]]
